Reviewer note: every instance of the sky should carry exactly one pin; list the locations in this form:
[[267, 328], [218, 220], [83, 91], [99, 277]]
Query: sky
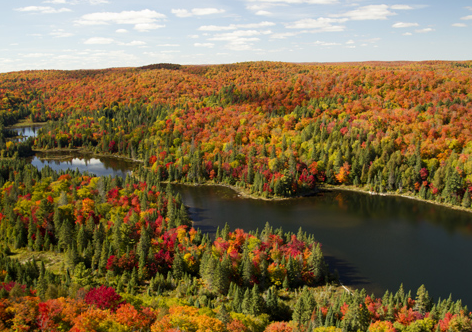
[[93, 34]]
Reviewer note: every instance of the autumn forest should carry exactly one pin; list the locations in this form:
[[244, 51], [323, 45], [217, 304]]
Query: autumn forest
[[86, 253]]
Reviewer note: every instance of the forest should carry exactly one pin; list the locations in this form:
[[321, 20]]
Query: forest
[[87, 253]]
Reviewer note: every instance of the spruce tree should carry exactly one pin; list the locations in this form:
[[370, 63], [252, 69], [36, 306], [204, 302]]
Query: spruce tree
[[466, 199], [178, 266], [31, 232], [246, 306], [257, 302], [38, 242]]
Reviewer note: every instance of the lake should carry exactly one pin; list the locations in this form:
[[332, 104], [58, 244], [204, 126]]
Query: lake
[[27, 131], [374, 242], [100, 166]]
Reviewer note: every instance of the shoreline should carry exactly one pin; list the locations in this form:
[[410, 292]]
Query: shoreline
[[25, 124], [244, 192], [392, 194]]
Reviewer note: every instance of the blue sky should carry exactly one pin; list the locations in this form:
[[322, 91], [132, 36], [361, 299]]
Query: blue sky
[[83, 34]]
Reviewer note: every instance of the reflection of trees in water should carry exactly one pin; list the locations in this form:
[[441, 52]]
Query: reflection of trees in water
[[94, 164], [377, 209]]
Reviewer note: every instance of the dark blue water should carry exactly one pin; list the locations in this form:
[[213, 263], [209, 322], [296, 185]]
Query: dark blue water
[[374, 242]]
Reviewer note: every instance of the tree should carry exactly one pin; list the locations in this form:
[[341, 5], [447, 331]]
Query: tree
[[466, 199], [423, 302]]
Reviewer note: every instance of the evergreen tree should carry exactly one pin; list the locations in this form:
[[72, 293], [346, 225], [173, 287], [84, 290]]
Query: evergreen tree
[[466, 199], [178, 266], [236, 303], [38, 242], [246, 306], [223, 315], [31, 232], [257, 302], [423, 302]]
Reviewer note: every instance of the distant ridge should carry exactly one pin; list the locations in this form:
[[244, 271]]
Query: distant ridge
[[170, 66]]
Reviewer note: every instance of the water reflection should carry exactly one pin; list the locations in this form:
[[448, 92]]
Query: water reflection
[[375, 242], [100, 166], [26, 132]]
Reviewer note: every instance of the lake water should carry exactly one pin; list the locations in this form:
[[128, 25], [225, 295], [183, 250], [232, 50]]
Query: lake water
[[27, 131], [100, 166], [374, 242]]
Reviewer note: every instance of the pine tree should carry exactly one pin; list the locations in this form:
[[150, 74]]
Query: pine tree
[[31, 232], [236, 303], [81, 240], [466, 199], [257, 302], [423, 302], [178, 266], [272, 302], [133, 282], [38, 242], [317, 265], [246, 306], [247, 269], [223, 315], [116, 236]]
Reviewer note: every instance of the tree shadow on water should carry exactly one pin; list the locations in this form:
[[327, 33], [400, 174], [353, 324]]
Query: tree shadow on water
[[200, 221], [349, 275]]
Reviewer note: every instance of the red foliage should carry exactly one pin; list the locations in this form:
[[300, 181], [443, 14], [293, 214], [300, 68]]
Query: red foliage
[[104, 298]]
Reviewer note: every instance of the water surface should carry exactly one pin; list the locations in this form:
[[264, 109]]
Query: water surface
[[374, 242], [100, 166]]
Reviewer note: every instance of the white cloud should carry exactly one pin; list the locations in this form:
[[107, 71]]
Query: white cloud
[[323, 43], [121, 31], [263, 13], [283, 35], [37, 55], [98, 2], [207, 45], [230, 36], [43, 10], [404, 25], [99, 41], [469, 17], [60, 33], [401, 7], [143, 20], [311, 2], [240, 40], [350, 42], [193, 36], [133, 43], [196, 12], [407, 34], [372, 40], [76, 2], [144, 27], [236, 26], [168, 45], [371, 12], [321, 24], [424, 30], [459, 25]]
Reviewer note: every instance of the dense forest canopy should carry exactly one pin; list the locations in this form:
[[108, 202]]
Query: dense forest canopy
[[275, 129], [87, 253]]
